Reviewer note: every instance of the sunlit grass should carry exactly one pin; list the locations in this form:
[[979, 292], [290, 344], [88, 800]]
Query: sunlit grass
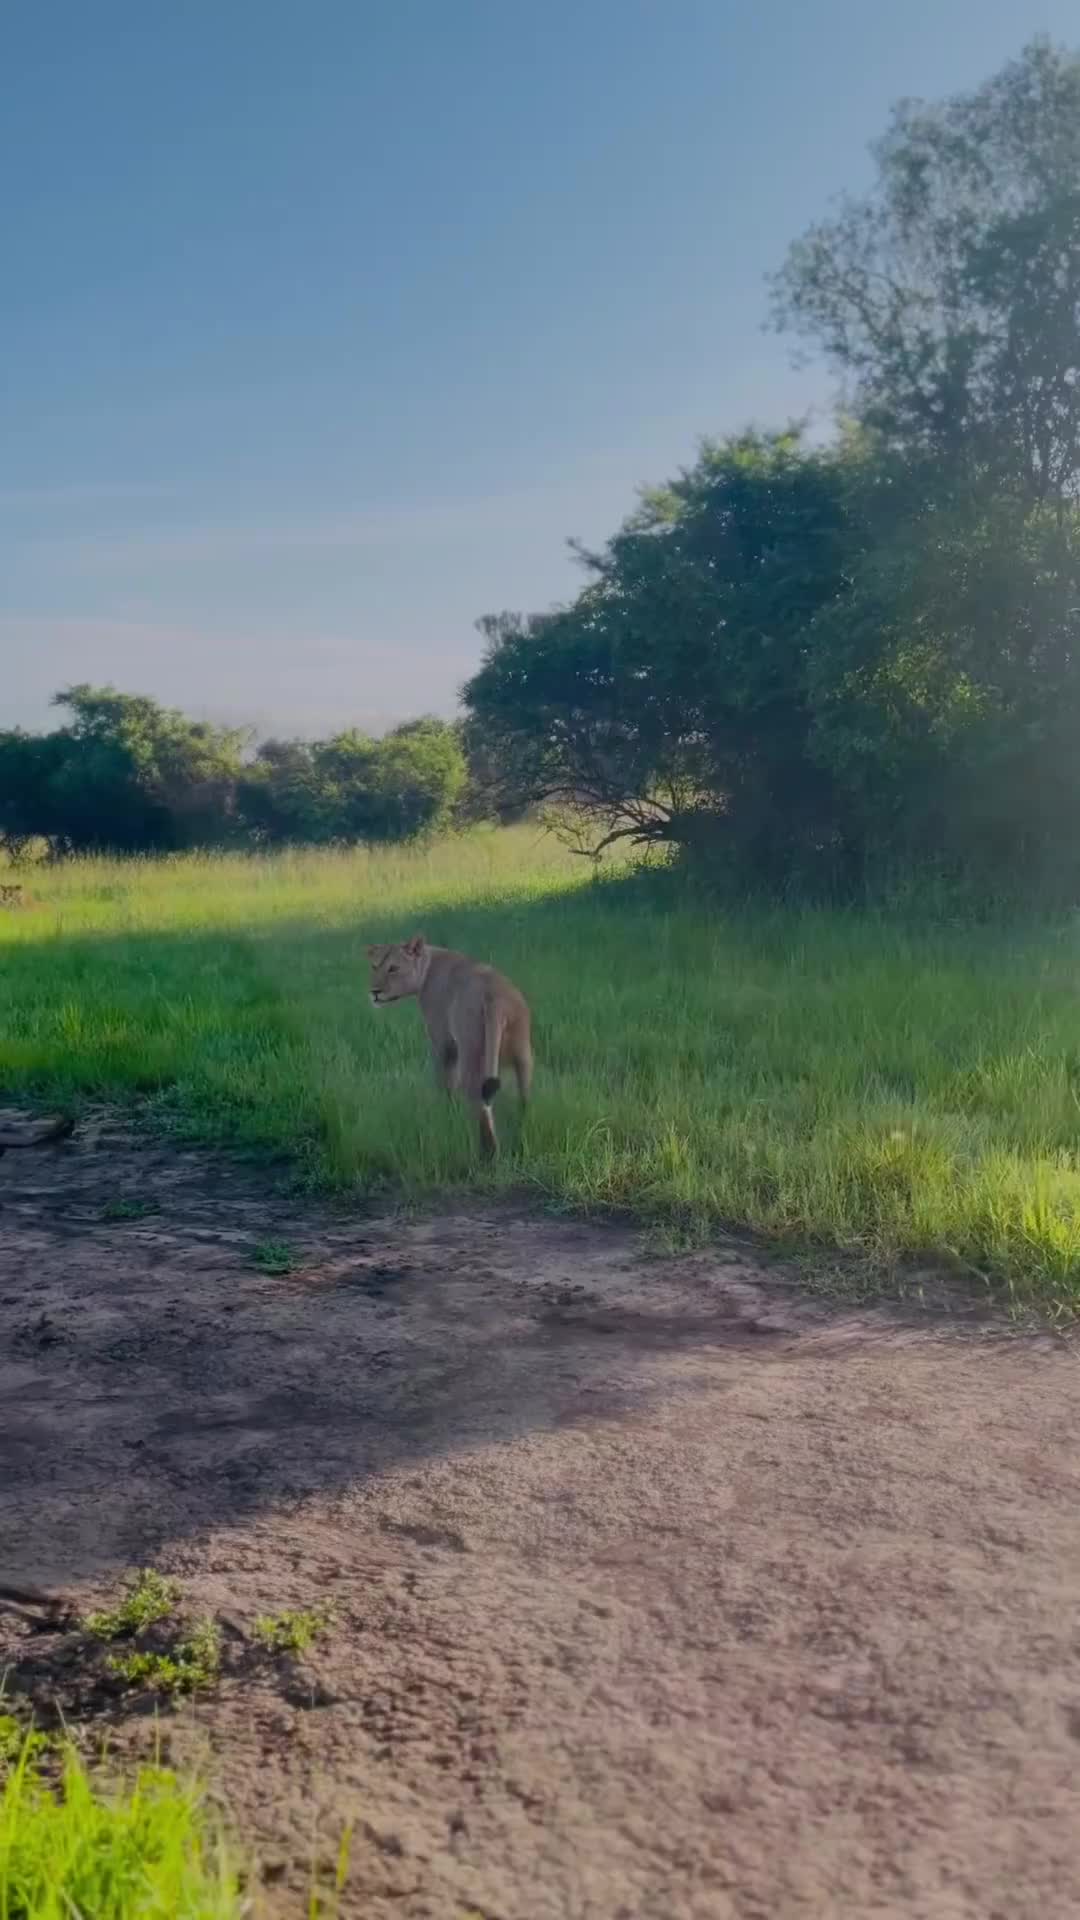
[[79, 1846], [834, 1081]]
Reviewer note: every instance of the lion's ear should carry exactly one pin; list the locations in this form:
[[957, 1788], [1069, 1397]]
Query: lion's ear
[[415, 947]]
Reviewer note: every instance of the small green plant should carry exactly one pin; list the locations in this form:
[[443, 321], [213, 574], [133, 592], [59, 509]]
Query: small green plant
[[186, 1667], [191, 1666], [292, 1632], [150, 1598], [273, 1256], [124, 1209]]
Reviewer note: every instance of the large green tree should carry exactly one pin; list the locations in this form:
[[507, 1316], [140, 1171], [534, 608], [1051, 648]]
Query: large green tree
[[669, 701], [948, 298], [824, 661], [810, 666]]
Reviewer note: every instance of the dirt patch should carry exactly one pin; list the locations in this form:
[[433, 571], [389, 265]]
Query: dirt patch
[[656, 1589]]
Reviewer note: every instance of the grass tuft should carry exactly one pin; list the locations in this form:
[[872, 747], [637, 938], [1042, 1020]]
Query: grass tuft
[[149, 1598], [292, 1632], [274, 1256], [86, 1849], [123, 1209], [191, 1666]]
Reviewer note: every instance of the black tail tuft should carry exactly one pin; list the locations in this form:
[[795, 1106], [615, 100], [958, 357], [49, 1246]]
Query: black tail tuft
[[489, 1089]]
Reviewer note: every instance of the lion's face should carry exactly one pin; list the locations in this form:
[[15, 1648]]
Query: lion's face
[[397, 972]]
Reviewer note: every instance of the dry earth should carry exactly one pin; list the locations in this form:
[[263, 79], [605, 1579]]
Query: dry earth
[[659, 1590]]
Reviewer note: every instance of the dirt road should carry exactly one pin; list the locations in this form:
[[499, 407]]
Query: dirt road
[[659, 1591]]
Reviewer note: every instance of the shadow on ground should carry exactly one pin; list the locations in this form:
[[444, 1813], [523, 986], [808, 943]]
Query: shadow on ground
[[155, 1381], [656, 1588]]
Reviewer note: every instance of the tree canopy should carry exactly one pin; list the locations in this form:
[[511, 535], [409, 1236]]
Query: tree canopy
[[948, 298], [127, 775], [803, 663]]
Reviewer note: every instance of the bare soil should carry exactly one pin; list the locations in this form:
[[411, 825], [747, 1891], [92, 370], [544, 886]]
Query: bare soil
[[660, 1590]]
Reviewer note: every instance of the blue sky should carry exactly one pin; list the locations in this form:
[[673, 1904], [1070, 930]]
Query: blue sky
[[325, 323]]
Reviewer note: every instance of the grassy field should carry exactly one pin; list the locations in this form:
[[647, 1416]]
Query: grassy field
[[832, 1082]]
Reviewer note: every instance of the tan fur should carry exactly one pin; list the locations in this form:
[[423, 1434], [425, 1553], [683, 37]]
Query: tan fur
[[477, 1021]]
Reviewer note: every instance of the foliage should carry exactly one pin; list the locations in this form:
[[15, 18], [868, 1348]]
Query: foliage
[[124, 774], [185, 1666], [124, 1208], [273, 1256], [946, 691], [669, 701], [949, 297], [86, 1846], [30, 808], [292, 1631], [807, 667], [352, 788], [149, 1598], [131, 776], [191, 1666]]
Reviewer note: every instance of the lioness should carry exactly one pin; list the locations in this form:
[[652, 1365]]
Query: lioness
[[476, 1019]]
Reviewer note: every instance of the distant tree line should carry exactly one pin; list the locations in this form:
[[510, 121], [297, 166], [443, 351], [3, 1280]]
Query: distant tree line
[[127, 775], [806, 665]]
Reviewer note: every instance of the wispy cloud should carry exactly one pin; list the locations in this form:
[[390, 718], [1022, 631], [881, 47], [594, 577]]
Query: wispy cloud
[[71, 634], [269, 677], [414, 524], [561, 497], [93, 493]]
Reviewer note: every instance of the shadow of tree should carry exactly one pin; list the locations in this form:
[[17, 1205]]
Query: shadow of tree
[[155, 1384]]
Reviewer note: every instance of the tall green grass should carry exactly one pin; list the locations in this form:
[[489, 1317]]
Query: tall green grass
[[81, 1850], [839, 1082]]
